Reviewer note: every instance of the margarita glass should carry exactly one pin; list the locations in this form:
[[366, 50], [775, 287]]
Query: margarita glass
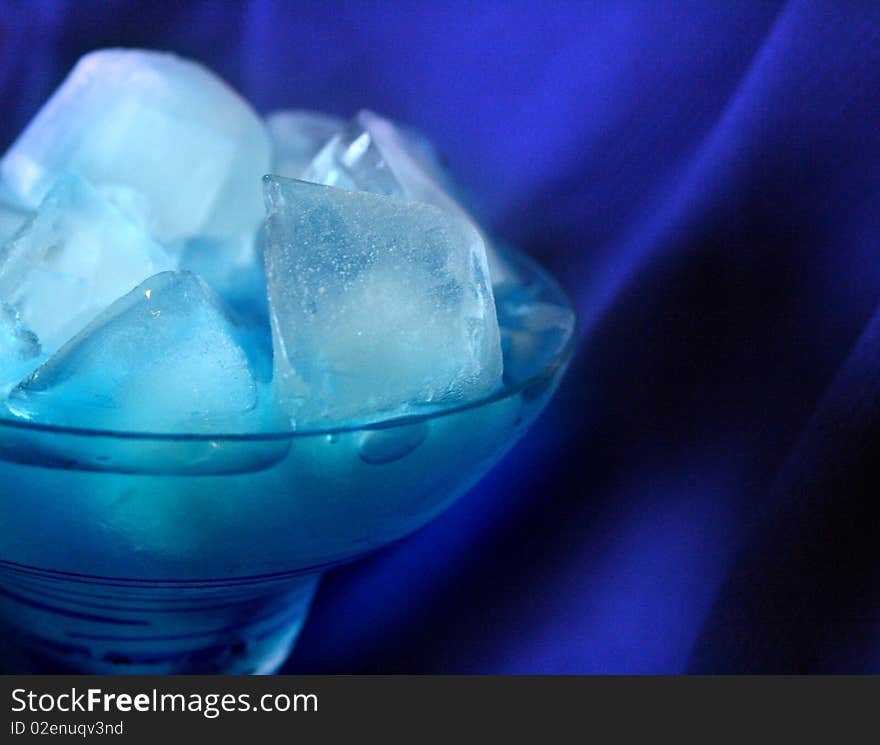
[[126, 552]]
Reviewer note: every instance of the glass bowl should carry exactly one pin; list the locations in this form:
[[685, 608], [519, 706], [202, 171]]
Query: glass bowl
[[124, 552]]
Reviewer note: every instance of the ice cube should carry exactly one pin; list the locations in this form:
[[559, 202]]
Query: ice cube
[[75, 257], [373, 154], [353, 159], [379, 307], [163, 358], [161, 125], [297, 136], [19, 348]]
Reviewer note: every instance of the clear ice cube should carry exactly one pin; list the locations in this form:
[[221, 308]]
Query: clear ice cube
[[373, 154], [297, 136], [163, 126], [353, 159], [379, 307], [75, 257], [163, 358]]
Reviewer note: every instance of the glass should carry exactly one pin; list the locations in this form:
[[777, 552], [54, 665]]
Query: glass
[[153, 553]]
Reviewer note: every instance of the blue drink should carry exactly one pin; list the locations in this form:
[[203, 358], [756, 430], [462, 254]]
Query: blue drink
[[157, 554]]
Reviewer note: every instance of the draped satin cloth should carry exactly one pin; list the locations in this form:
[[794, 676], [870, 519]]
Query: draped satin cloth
[[704, 179]]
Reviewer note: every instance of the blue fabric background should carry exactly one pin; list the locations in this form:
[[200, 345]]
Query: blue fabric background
[[704, 178]]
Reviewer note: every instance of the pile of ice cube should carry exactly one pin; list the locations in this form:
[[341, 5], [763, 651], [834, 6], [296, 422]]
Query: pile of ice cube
[[172, 262]]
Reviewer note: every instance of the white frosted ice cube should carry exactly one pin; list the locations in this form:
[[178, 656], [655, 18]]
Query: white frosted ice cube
[[373, 154], [75, 257], [163, 358], [153, 122], [379, 307], [297, 136]]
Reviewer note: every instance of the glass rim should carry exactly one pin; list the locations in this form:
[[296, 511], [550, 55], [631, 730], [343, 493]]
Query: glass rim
[[561, 357]]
